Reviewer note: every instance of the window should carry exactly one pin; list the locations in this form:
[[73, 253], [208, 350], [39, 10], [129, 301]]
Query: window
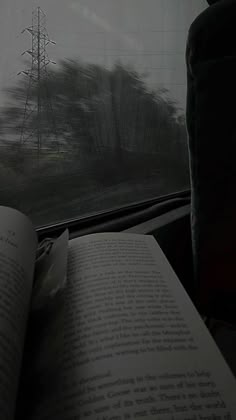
[[93, 104]]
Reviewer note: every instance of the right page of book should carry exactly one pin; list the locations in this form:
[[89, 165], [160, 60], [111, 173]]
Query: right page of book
[[135, 346]]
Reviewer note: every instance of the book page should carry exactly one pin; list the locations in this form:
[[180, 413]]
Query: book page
[[43, 350], [134, 345], [18, 243]]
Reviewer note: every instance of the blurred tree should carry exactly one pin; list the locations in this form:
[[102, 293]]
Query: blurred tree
[[115, 131], [97, 109]]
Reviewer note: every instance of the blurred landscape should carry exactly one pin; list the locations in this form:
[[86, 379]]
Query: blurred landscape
[[112, 141], [92, 104]]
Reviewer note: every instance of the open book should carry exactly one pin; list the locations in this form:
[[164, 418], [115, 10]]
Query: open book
[[118, 340]]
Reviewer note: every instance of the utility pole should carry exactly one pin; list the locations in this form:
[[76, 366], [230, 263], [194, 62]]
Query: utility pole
[[39, 71], [33, 125]]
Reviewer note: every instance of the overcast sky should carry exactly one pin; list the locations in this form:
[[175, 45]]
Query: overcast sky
[[149, 34]]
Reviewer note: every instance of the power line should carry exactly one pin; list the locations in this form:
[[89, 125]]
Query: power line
[[128, 32], [38, 76], [118, 54]]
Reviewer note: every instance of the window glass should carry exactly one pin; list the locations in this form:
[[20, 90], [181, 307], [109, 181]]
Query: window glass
[[92, 104]]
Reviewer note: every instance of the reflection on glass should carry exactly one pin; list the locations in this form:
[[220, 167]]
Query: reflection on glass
[[93, 104]]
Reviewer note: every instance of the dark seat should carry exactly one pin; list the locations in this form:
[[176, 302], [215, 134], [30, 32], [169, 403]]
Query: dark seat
[[211, 123]]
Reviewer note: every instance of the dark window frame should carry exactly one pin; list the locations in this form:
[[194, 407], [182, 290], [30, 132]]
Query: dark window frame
[[116, 219]]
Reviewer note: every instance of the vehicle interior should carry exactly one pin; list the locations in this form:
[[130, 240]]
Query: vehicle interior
[[131, 129]]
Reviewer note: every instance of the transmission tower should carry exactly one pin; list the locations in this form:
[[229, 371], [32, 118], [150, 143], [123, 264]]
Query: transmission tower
[[38, 119]]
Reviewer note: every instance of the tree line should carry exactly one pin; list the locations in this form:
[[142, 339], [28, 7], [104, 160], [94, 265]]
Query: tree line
[[92, 108]]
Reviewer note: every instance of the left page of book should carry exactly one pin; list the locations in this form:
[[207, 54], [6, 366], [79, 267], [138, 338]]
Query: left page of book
[[18, 244]]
